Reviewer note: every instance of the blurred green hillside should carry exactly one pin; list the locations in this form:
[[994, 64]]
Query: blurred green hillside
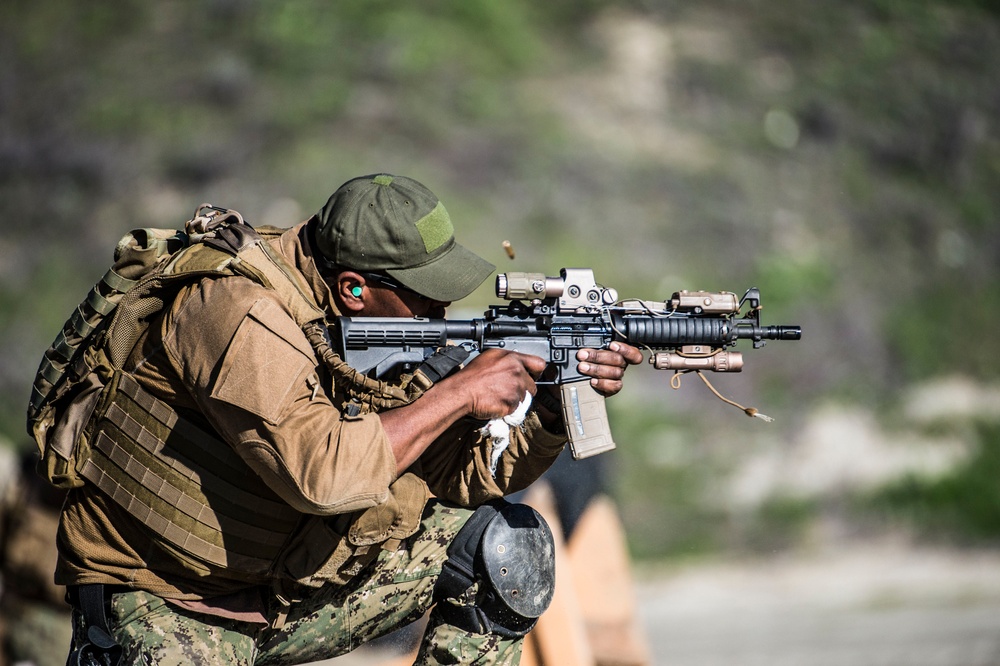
[[843, 157]]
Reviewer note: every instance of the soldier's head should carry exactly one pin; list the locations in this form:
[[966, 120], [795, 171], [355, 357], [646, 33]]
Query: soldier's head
[[394, 233]]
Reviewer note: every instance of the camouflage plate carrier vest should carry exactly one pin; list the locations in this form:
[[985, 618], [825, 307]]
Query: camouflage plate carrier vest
[[93, 423]]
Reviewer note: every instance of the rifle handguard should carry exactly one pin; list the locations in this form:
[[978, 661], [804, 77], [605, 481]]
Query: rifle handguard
[[586, 419]]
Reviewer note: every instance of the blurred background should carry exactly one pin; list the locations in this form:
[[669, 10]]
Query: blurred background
[[842, 157]]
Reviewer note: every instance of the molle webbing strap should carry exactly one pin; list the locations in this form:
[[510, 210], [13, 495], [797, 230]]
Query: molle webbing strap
[[212, 453], [186, 485], [87, 316]]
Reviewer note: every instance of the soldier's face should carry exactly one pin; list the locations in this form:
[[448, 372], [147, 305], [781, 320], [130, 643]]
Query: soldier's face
[[386, 301]]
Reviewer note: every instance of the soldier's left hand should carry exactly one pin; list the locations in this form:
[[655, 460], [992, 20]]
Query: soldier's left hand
[[606, 367]]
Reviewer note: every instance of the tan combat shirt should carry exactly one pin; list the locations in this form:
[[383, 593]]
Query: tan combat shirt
[[228, 349]]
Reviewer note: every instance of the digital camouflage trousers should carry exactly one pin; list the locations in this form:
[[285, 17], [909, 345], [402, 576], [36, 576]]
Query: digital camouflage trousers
[[392, 592]]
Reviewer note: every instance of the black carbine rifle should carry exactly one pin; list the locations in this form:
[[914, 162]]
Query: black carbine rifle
[[554, 317]]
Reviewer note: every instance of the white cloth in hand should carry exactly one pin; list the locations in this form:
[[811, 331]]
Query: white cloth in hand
[[498, 430]]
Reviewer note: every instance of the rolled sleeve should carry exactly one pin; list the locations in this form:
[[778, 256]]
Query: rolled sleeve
[[457, 465]]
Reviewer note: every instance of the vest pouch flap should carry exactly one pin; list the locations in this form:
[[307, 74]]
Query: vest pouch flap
[[267, 338], [396, 518], [65, 441]]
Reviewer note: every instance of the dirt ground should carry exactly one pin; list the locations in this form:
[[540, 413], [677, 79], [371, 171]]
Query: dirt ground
[[866, 605], [881, 606]]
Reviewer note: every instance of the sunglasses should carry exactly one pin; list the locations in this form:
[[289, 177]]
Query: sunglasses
[[387, 281]]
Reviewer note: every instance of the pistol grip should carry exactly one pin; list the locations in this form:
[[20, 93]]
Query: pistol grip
[[586, 419]]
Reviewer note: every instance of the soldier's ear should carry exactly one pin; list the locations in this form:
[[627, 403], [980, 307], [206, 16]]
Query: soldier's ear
[[350, 290]]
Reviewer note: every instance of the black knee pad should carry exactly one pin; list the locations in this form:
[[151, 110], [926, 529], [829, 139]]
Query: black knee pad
[[508, 549]]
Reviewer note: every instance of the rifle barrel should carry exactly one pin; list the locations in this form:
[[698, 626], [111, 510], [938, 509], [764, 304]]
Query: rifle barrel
[[774, 333]]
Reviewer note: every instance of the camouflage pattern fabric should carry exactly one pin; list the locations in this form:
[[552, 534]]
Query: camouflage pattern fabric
[[393, 591]]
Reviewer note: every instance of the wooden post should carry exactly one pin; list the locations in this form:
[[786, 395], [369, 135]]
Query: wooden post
[[560, 637], [599, 563]]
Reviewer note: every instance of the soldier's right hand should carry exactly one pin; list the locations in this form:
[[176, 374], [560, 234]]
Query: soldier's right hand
[[491, 386], [496, 381]]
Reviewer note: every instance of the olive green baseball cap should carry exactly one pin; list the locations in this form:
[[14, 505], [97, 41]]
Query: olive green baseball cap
[[395, 225]]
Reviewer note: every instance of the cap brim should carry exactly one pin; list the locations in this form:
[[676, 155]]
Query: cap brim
[[450, 277]]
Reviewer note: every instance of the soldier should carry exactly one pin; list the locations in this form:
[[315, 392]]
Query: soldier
[[253, 500]]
